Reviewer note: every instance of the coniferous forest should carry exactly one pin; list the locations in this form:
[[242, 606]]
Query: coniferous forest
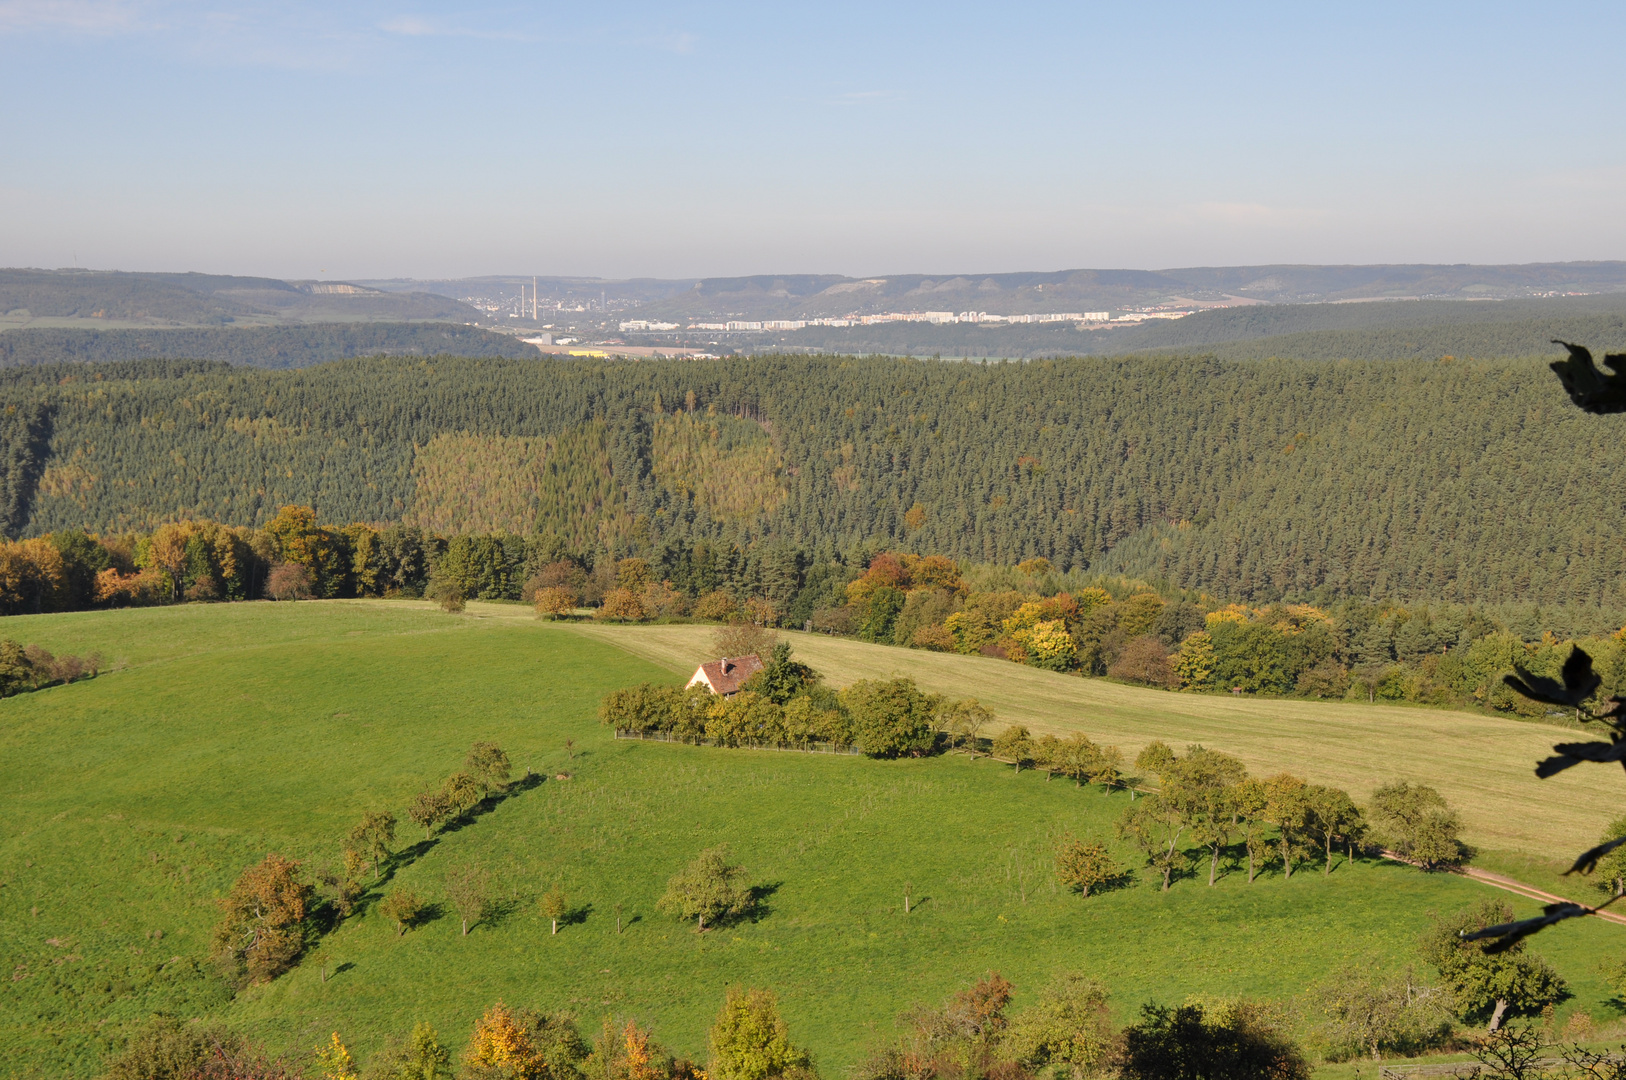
[[1449, 481]]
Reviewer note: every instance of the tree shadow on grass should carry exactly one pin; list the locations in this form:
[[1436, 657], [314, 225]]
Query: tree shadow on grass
[[760, 908], [499, 911], [528, 782], [576, 915], [427, 914]]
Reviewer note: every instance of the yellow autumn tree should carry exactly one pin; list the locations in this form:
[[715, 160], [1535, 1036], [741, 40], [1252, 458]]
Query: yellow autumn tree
[[501, 1043], [335, 1061]]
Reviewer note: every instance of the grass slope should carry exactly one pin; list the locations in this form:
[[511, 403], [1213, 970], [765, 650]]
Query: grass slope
[[1483, 764], [134, 799]]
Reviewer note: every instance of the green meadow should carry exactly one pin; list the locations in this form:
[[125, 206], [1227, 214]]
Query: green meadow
[[133, 800]]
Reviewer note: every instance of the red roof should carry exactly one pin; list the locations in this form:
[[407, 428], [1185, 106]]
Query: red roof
[[727, 675]]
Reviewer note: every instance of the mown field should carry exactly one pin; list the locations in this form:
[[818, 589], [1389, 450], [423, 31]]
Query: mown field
[[133, 800]]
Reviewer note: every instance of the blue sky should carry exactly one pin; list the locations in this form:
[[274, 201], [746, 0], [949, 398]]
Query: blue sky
[[380, 139]]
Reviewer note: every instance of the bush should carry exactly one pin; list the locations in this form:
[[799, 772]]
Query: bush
[[937, 638], [1415, 822], [743, 638], [1083, 865], [621, 605], [1233, 1042], [1068, 1029], [1144, 661], [447, 592], [263, 929], [641, 708], [749, 1041], [1327, 679], [168, 1049], [288, 581], [891, 717], [555, 600], [405, 907], [715, 606]]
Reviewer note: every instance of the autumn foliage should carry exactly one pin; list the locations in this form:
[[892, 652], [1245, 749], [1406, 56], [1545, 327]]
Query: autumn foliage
[[262, 931]]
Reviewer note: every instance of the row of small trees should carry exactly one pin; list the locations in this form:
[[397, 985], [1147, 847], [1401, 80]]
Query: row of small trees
[[274, 908], [1208, 798], [973, 1035], [24, 668]]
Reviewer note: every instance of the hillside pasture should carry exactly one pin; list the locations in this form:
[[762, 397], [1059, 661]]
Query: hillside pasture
[[1483, 764], [134, 799]]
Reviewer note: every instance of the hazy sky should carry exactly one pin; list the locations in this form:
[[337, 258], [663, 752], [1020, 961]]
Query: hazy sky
[[372, 139]]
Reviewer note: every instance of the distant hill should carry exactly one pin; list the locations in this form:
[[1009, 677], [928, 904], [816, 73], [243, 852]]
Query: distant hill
[[791, 295], [1378, 331], [89, 297], [261, 346]]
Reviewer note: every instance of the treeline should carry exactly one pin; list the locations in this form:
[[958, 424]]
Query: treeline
[[256, 346], [1031, 614], [1459, 482], [974, 1034]]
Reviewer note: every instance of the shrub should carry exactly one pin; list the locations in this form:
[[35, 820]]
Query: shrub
[[641, 708], [660, 600], [168, 1049], [705, 889], [1235, 1042], [1328, 679], [715, 606], [262, 932], [1068, 1028], [749, 1040], [1144, 661], [937, 638], [447, 592], [743, 638], [419, 1058], [555, 600], [288, 581], [1364, 1013], [1415, 821], [745, 719], [405, 907], [1083, 865], [621, 605], [891, 717]]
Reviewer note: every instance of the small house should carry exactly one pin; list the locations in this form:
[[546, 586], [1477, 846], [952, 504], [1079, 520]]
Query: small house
[[727, 675]]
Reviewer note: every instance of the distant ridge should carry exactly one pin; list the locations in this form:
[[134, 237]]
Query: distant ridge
[[785, 295]]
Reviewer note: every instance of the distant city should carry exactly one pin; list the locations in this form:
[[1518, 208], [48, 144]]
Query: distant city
[[1082, 318]]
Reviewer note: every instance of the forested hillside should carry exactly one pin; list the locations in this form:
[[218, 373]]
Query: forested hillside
[[113, 297], [1450, 481], [259, 346]]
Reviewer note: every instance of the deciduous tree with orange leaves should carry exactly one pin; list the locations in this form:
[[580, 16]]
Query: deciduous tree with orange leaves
[[262, 932]]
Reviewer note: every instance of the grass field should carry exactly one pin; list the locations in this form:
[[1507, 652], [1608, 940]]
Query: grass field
[[1483, 764], [133, 800]]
